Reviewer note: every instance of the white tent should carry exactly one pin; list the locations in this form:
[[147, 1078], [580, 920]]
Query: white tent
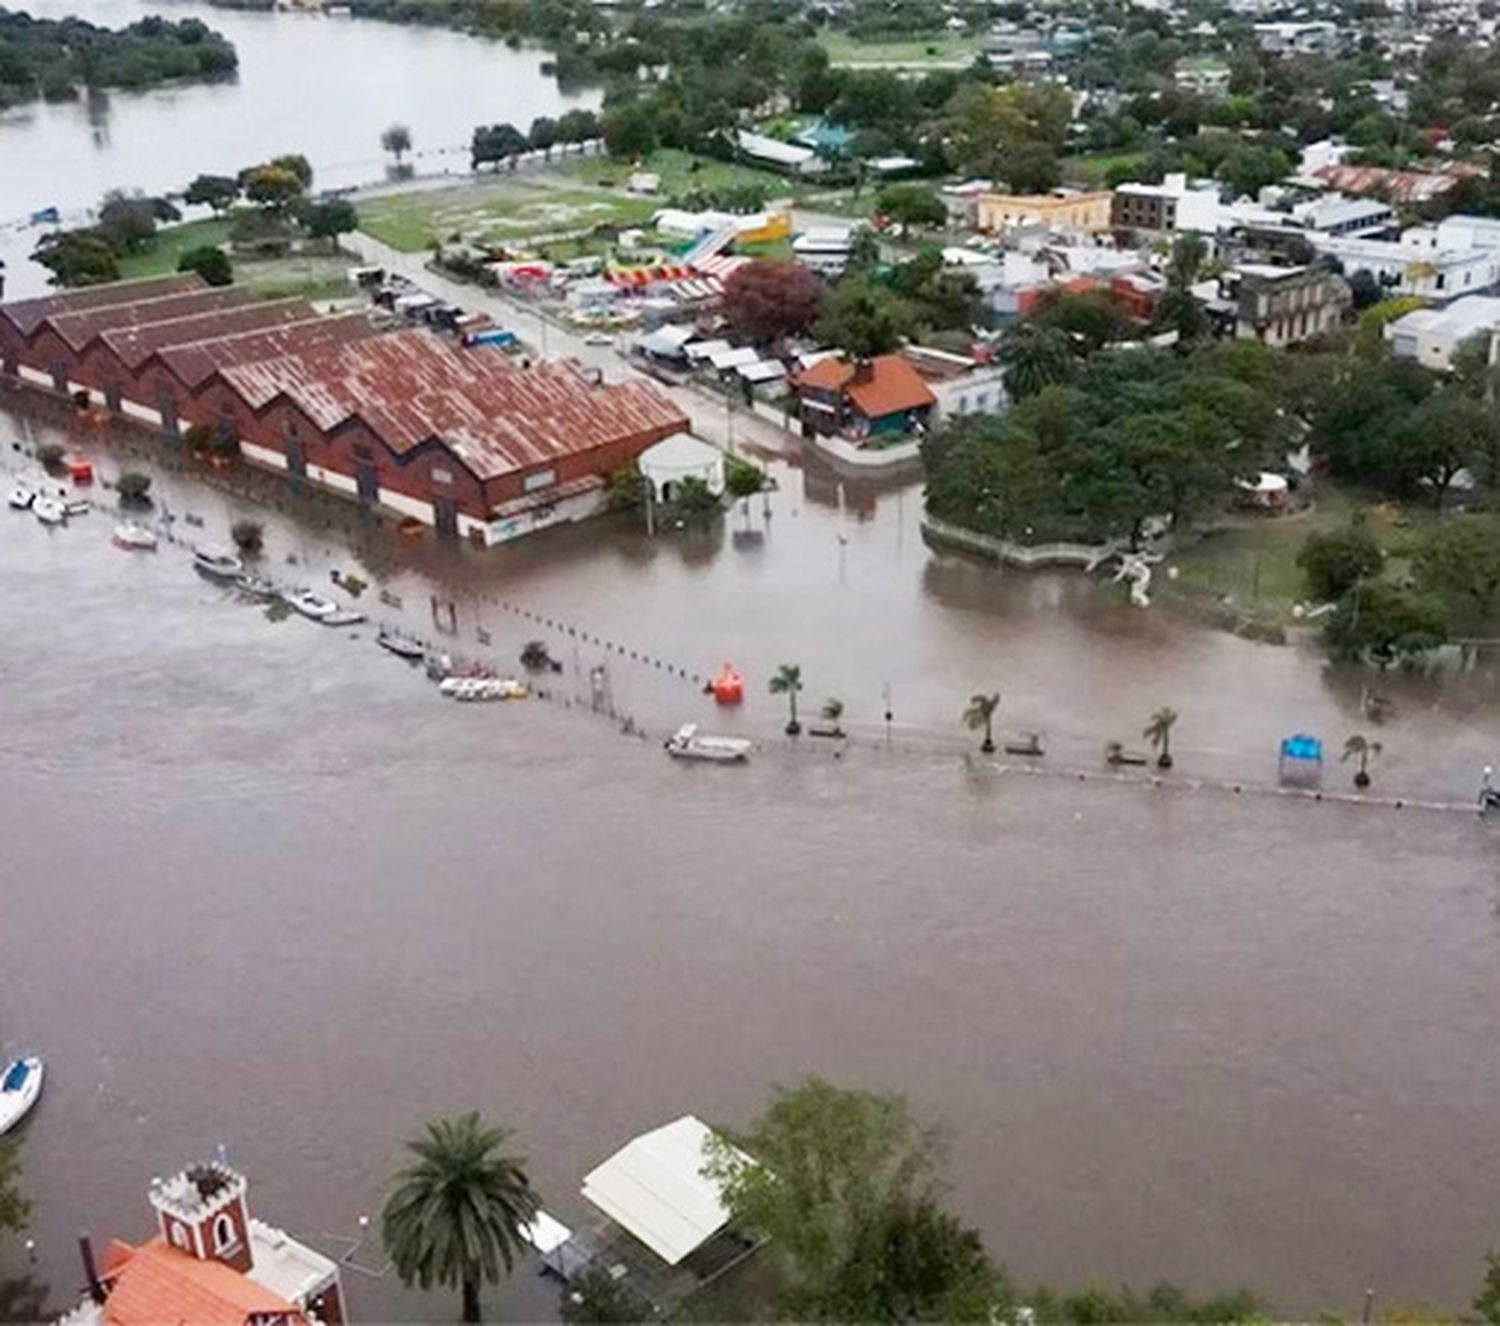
[[655, 1188], [667, 463]]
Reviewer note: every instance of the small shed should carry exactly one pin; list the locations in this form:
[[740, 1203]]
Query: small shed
[[682, 456]]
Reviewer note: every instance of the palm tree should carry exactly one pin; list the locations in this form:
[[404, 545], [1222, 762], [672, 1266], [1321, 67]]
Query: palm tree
[[455, 1216], [1159, 733], [1033, 357], [1360, 747], [981, 714], [787, 682]]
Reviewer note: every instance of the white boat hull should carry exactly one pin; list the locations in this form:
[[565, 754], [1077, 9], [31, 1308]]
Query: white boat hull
[[15, 1105], [689, 744]]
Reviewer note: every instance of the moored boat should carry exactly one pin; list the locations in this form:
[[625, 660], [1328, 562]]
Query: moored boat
[[20, 498], [402, 646], [49, 510], [483, 688], [78, 506], [247, 582], [311, 605], [218, 563], [687, 743], [342, 617], [133, 536], [20, 1085]]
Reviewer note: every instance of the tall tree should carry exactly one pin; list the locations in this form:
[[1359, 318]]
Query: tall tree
[[980, 716], [845, 1184], [1159, 733], [1460, 557], [864, 319], [787, 681], [215, 191], [456, 1215], [764, 301], [1033, 356], [396, 139]]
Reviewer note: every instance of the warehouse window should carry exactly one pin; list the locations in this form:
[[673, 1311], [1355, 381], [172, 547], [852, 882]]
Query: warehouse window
[[541, 479]]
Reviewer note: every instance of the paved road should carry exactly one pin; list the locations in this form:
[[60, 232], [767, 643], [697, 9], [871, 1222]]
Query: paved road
[[710, 417]]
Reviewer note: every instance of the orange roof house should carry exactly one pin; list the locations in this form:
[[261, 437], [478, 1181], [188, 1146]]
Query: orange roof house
[[881, 397], [210, 1263]]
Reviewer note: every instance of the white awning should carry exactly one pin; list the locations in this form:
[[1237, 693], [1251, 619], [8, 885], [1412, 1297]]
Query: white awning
[[764, 370], [734, 358], [654, 1187], [703, 349], [546, 1234]]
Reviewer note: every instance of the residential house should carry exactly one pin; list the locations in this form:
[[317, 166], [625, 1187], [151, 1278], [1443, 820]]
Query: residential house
[[1431, 335], [882, 398], [1283, 305]]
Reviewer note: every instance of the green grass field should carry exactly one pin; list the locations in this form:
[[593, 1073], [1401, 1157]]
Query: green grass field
[[1254, 560], [1092, 169], [912, 53], [680, 173], [168, 246], [499, 211]]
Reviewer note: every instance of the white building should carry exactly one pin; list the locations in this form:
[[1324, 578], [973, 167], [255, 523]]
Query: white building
[[1431, 335], [667, 463], [1416, 264], [1296, 38]]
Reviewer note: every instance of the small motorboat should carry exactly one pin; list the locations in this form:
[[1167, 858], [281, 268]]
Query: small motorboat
[[483, 688], [402, 646], [218, 563], [78, 506], [21, 497], [687, 743], [49, 510], [311, 605], [20, 1085], [135, 537], [342, 617]]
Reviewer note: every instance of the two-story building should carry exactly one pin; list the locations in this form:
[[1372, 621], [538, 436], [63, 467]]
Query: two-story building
[[1283, 305], [209, 1263], [872, 400]]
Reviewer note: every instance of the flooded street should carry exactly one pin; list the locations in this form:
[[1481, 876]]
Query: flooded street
[[262, 886]]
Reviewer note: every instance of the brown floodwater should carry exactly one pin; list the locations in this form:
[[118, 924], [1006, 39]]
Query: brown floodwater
[[261, 886]]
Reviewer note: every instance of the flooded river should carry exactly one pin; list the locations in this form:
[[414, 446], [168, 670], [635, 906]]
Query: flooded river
[[322, 86], [263, 887]]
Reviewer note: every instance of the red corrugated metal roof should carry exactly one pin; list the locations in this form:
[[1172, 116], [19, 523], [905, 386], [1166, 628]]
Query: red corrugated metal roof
[[194, 364], [161, 1286], [27, 314], [496, 416], [135, 345], [892, 384], [80, 327]]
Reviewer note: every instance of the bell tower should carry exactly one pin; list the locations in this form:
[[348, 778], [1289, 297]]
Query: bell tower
[[203, 1212]]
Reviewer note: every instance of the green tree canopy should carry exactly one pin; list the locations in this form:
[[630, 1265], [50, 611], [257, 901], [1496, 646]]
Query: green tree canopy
[[864, 318], [211, 263], [1386, 622], [455, 1215], [215, 191], [1334, 561], [1459, 557], [845, 1184]]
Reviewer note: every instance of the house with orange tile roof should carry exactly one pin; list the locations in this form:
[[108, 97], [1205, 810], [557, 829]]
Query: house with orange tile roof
[[879, 399], [210, 1263]]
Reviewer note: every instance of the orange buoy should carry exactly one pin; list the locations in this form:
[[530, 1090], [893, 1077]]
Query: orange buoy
[[729, 686]]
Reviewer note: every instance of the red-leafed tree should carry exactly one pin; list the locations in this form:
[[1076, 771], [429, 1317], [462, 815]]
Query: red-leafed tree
[[764, 301]]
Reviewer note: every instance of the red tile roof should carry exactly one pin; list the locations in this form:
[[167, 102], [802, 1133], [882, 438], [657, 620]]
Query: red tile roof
[[79, 327], [888, 384], [136, 344], [494, 415], [157, 1285], [195, 363], [27, 314]]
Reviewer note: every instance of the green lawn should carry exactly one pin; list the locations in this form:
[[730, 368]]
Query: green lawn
[[499, 211], [1092, 169], [1254, 560], [913, 52], [680, 172], [162, 254]]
